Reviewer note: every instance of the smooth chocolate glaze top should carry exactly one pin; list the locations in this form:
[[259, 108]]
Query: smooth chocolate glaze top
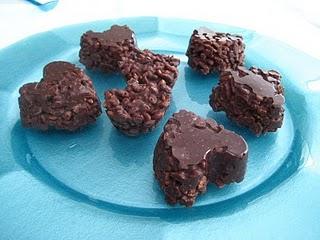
[[205, 33], [194, 137], [56, 70], [72, 80], [114, 35], [259, 85]]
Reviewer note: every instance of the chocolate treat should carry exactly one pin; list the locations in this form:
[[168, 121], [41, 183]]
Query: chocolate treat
[[211, 51], [252, 98], [63, 99], [103, 50], [191, 152], [146, 66], [139, 107]]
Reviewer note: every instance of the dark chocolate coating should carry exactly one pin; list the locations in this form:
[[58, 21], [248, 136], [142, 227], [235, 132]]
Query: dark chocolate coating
[[191, 152], [140, 106], [252, 98], [103, 50], [63, 99], [211, 51]]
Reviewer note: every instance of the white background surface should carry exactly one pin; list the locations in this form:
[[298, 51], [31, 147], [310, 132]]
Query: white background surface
[[294, 22]]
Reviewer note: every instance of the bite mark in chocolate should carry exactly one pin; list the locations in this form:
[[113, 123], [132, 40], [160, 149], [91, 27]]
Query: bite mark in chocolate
[[141, 105], [149, 76], [191, 152]]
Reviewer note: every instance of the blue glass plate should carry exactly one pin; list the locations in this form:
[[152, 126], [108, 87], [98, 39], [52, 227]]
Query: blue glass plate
[[99, 184]]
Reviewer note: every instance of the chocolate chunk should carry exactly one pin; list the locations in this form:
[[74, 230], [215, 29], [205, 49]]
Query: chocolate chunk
[[252, 98], [103, 50], [140, 106], [63, 99], [191, 152], [211, 51], [149, 76]]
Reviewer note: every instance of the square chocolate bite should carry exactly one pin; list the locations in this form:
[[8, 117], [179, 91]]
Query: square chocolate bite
[[103, 50], [211, 51]]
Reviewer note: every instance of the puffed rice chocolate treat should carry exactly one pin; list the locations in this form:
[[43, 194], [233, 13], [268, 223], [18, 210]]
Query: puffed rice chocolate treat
[[192, 152], [140, 106], [252, 98], [211, 51], [146, 66], [103, 50], [63, 99]]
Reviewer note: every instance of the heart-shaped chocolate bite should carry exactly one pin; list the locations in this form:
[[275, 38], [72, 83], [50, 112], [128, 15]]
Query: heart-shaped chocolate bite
[[191, 152], [253, 98], [63, 99]]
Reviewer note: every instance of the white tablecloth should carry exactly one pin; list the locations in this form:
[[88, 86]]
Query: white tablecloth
[[294, 22]]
